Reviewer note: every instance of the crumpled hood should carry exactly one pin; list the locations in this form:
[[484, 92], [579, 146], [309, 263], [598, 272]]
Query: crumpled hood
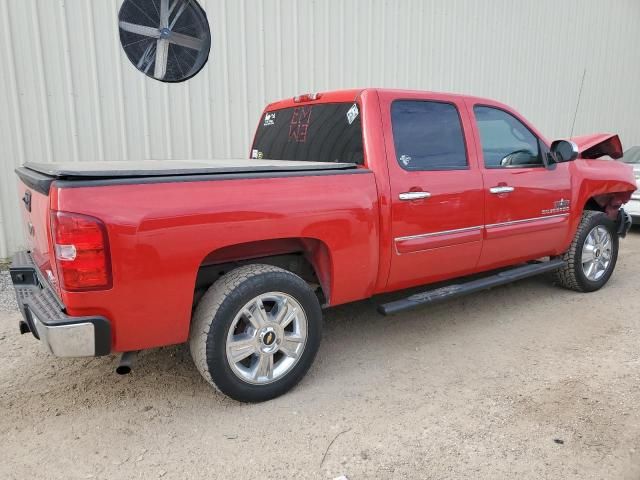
[[598, 145]]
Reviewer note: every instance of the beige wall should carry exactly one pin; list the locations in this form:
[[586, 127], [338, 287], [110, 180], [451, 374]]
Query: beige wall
[[67, 92]]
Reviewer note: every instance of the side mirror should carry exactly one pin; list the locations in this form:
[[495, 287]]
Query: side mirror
[[564, 151]]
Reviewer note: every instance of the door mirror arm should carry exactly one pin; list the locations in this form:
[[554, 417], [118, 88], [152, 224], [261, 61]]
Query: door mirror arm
[[549, 160]]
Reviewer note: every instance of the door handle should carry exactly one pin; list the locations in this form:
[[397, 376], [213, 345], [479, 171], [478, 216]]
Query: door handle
[[407, 196], [499, 190]]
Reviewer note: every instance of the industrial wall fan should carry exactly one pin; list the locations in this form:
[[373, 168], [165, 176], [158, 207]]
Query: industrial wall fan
[[168, 40]]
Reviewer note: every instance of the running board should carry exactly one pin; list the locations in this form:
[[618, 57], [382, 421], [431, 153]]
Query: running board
[[459, 290]]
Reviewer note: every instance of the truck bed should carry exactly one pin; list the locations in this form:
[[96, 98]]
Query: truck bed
[[177, 218]]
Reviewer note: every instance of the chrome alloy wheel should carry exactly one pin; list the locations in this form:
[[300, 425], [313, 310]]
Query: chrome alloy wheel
[[596, 253], [266, 338]]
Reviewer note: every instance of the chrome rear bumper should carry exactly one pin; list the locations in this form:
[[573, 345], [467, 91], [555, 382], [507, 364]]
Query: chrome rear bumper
[[43, 315]]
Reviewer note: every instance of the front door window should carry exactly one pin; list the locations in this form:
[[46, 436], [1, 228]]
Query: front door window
[[506, 142]]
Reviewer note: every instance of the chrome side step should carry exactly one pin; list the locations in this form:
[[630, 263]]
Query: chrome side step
[[459, 290]]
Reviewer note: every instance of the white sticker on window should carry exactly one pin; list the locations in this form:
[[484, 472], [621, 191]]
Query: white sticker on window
[[254, 153], [353, 113], [406, 160], [269, 119]]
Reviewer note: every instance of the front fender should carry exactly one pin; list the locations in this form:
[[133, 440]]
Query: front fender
[[608, 183], [605, 183]]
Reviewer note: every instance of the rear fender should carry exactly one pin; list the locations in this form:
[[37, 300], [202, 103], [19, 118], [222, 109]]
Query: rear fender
[[315, 251]]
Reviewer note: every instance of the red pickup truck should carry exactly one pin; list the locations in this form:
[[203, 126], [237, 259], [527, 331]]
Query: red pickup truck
[[347, 194]]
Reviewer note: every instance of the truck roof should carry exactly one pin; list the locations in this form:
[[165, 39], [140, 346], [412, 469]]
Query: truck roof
[[350, 95]]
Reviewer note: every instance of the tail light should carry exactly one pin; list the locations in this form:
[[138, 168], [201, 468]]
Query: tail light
[[82, 252]]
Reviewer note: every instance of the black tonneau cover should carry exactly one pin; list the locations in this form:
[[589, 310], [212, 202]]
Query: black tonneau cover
[[40, 176], [163, 168]]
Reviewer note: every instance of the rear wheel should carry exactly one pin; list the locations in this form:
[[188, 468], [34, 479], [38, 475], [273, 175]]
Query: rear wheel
[[255, 333], [592, 256]]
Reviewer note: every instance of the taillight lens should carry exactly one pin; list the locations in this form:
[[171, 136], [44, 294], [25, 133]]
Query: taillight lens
[[81, 251]]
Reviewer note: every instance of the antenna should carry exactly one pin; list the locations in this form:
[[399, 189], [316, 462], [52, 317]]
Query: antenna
[[168, 40], [584, 74]]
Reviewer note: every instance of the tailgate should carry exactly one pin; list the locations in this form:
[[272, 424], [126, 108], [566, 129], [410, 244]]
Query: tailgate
[[33, 192]]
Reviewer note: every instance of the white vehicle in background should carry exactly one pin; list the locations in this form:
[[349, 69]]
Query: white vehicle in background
[[632, 156]]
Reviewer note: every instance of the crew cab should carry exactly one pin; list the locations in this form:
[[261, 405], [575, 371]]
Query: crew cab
[[346, 195]]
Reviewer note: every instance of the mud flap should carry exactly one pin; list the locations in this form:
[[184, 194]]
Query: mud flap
[[623, 223]]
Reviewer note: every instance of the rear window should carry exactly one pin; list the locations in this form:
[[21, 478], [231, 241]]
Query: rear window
[[328, 132]]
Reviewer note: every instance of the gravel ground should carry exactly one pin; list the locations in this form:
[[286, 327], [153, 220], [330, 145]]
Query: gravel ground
[[527, 381], [7, 297]]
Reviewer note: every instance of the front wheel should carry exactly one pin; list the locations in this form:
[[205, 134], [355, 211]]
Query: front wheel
[[592, 256], [255, 333]]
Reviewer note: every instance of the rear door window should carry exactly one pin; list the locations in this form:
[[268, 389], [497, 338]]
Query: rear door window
[[327, 132], [428, 135]]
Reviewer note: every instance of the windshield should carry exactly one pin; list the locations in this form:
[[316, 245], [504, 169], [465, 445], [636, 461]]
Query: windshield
[[632, 155], [326, 132]]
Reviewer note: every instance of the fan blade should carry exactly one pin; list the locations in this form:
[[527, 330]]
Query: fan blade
[[184, 5], [147, 58], [186, 41], [164, 13], [162, 58], [140, 29]]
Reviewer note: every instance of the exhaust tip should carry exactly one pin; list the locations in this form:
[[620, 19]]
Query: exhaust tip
[[24, 328], [123, 369]]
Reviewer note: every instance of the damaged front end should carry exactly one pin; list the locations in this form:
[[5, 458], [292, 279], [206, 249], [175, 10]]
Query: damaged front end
[[613, 183], [611, 204]]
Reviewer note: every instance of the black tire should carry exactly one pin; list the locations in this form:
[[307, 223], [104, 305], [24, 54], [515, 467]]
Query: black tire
[[215, 314], [572, 276]]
